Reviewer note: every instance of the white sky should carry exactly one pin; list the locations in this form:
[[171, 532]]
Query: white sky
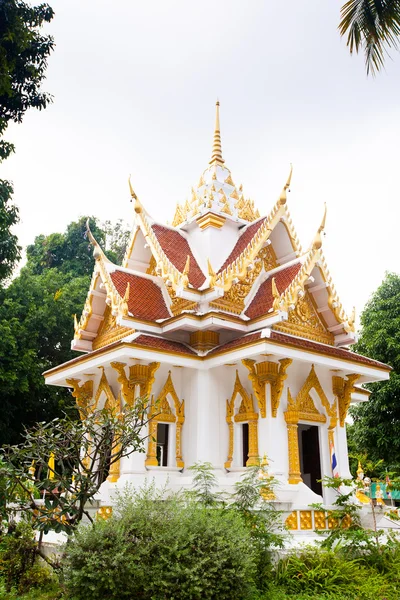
[[135, 85]]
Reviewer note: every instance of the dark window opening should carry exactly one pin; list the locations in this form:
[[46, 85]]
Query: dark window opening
[[245, 442], [162, 444], [310, 458]]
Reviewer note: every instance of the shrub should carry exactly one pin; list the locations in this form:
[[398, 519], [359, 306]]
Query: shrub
[[162, 548], [20, 566]]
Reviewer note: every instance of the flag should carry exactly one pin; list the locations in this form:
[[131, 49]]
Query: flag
[[335, 470]]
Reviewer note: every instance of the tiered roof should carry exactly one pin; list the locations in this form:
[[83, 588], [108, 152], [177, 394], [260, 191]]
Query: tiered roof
[[221, 258]]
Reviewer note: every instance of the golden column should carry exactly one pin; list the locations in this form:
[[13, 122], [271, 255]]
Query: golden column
[[292, 419], [253, 459], [151, 459]]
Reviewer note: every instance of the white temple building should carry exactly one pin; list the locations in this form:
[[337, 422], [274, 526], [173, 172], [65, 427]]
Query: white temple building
[[239, 334]]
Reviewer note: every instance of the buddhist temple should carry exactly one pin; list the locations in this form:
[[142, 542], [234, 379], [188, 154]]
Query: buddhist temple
[[238, 336]]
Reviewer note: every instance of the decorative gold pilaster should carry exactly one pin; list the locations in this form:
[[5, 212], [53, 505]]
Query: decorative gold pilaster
[[292, 418], [114, 473], [151, 458], [161, 412], [253, 459], [83, 395], [245, 414], [267, 372], [139, 375], [343, 388], [228, 463]]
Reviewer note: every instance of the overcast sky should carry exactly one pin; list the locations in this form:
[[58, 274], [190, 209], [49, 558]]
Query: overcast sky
[[135, 85]]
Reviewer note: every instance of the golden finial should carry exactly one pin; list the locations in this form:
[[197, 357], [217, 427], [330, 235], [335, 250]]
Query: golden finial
[[277, 297], [317, 243], [133, 195], [75, 324], [187, 266], [96, 248], [264, 462], [360, 469], [283, 196], [127, 292], [216, 157], [211, 273]]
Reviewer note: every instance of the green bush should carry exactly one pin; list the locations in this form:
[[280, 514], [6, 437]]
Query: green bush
[[155, 548], [20, 566], [317, 573]]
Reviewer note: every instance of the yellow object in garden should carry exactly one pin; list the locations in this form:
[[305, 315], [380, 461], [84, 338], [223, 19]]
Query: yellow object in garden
[[363, 498], [51, 464]]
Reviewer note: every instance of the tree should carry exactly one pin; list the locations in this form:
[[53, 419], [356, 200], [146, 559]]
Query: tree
[[59, 467], [36, 325], [23, 62], [377, 422], [372, 26]]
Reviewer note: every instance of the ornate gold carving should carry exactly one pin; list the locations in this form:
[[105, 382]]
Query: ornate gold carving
[[305, 519], [304, 404], [303, 408], [304, 321], [109, 332], [319, 519], [238, 269], [293, 446], [139, 375], [246, 209], [210, 220], [178, 304], [245, 413], [161, 411], [234, 299], [267, 372], [80, 326], [83, 395], [343, 389], [291, 521], [104, 512], [204, 340]]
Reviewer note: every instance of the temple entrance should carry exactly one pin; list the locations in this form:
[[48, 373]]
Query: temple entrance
[[310, 458], [245, 442], [162, 444]]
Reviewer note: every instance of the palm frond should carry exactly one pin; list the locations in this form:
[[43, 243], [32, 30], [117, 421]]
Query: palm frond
[[371, 26]]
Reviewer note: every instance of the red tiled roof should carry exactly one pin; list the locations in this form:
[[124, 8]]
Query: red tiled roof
[[177, 249], [324, 349], [248, 233], [145, 297], [149, 341], [263, 299], [300, 343], [237, 343]]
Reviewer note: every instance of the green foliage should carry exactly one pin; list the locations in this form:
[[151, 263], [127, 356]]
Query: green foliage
[[83, 451], [377, 422], [36, 325], [20, 566], [10, 251], [162, 547], [23, 61], [204, 484], [372, 26]]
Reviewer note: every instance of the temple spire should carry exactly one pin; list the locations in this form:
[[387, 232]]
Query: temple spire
[[216, 157]]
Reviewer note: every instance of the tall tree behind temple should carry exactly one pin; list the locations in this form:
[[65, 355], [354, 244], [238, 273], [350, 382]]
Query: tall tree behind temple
[[36, 323], [376, 429], [23, 61]]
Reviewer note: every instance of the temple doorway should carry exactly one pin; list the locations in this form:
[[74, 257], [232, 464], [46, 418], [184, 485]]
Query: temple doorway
[[162, 444], [310, 458], [245, 443]]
